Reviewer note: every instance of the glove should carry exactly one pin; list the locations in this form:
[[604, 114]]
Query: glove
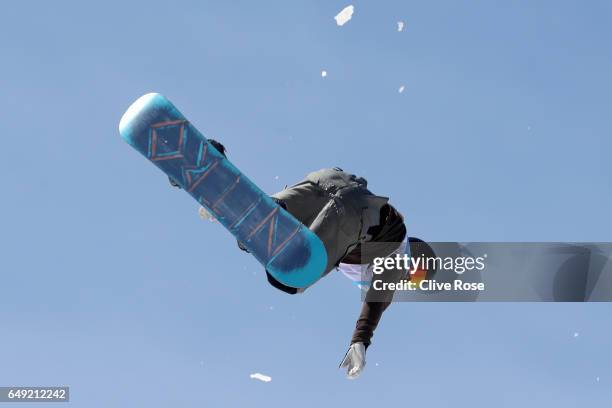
[[205, 215], [354, 360]]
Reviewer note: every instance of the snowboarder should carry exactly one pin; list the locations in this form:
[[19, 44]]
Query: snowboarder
[[345, 215]]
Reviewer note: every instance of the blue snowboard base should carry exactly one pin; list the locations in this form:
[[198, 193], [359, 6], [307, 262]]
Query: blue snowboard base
[[288, 250]]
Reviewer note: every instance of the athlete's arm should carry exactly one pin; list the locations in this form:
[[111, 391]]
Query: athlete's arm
[[377, 301]]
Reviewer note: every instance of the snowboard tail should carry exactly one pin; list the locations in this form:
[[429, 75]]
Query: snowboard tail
[[288, 250]]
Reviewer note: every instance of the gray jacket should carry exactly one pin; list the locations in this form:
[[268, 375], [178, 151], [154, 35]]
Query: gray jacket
[[337, 206]]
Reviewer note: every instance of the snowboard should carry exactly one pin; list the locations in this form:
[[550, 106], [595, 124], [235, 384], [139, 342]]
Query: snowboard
[[287, 249]]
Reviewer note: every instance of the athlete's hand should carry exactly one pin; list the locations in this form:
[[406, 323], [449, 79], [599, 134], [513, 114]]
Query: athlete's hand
[[354, 360], [205, 215]]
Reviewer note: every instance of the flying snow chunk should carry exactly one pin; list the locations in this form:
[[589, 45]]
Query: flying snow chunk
[[345, 15], [261, 377], [576, 334], [401, 89], [400, 26], [323, 74]]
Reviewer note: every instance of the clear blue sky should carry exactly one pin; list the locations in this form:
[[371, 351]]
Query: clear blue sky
[[112, 285]]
